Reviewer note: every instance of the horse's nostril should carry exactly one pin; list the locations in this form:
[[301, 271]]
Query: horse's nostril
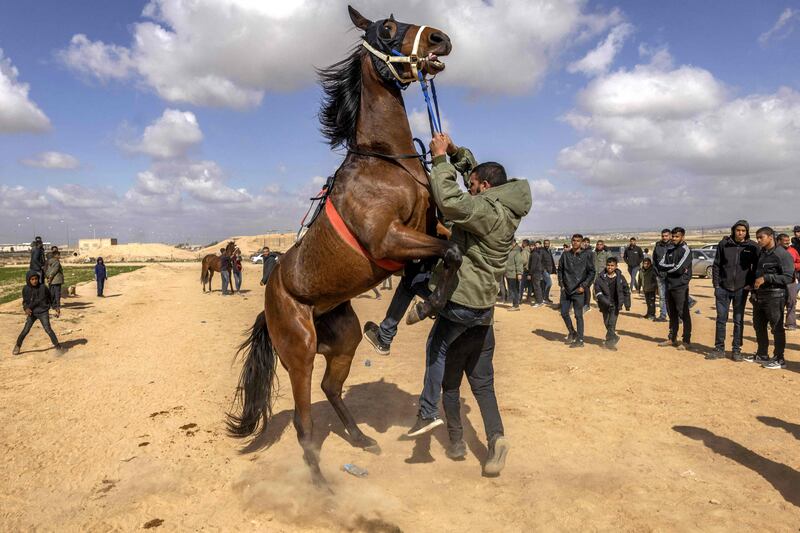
[[436, 38]]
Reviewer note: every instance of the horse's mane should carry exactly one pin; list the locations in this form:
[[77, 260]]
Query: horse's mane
[[341, 83]]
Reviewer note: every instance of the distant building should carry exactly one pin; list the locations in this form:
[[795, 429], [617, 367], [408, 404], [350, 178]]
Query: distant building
[[87, 245], [22, 247]]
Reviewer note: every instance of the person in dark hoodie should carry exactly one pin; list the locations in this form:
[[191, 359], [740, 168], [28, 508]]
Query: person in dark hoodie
[[611, 291], [774, 272], [269, 260], [648, 282], [36, 303], [575, 274], [677, 267], [549, 265], [38, 259], [733, 273], [100, 276], [536, 265]]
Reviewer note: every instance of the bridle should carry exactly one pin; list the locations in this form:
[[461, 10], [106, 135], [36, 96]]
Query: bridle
[[414, 62]]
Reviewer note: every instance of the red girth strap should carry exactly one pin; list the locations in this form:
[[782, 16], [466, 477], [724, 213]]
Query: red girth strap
[[348, 237]]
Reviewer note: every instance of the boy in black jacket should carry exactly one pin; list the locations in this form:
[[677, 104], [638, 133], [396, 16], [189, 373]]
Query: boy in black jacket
[[676, 265], [36, 303], [648, 282], [611, 292]]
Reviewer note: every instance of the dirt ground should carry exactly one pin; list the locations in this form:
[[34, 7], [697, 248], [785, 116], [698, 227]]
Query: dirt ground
[[125, 431]]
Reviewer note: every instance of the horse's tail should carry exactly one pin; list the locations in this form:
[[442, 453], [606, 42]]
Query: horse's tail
[[255, 392], [203, 273]]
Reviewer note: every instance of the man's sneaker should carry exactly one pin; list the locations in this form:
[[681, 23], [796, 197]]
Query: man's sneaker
[[790, 328], [667, 343], [660, 319], [610, 346], [371, 333], [424, 425], [578, 343], [716, 353], [498, 449], [515, 308], [569, 339], [737, 356], [586, 309], [15, 351], [457, 451], [692, 302], [684, 345], [774, 364], [536, 306], [757, 358]]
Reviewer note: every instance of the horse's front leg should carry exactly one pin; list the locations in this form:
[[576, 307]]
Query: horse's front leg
[[404, 244]]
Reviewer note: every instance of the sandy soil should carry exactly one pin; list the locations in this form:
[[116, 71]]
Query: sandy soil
[[126, 429], [138, 251]]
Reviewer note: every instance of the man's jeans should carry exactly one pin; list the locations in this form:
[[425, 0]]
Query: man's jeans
[[548, 284], [768, 311], [724, 298], [662, 297], [55, 294], [513, 291], [634, 272], [610, 322], [472, 355], [574, 301], [226, 280], [237, 280], [791, 305], [402, 298], [453, 321], [44, 318]]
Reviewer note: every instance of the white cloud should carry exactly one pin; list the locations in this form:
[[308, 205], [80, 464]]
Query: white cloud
[[598, 60], [274, 46], [17, 200], [78, 196], [52, 160], [420, 126], [542, 188], [782, 27], [169, 136], [665, 137], [18, 113]]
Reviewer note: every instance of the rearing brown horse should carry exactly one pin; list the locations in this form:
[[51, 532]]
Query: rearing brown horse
[[211, 264], [385, 204]]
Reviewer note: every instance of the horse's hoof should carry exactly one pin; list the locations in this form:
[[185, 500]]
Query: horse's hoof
[[416, 314], [373, 449]]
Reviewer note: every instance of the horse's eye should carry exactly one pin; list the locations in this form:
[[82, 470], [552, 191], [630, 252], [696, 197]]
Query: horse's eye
[[386, 31]]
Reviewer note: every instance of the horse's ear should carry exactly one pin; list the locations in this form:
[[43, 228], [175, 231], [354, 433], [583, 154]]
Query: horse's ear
[[359, 21]]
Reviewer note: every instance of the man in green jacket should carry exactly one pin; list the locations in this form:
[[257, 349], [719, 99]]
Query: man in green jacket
[[462, 338], [55, 278], [514, 271]]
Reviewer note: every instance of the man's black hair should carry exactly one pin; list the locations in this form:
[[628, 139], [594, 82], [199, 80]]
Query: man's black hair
[[766, 230], [678, 229], [538, 242], [666, 230], [782, 236], [633, 238], [612, 260], [578, 236], [526, 241], [586, 239], [491, 172]]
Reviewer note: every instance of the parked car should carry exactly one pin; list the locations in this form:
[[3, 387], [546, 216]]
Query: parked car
[[702, 261], [256, 259], [709, 247]]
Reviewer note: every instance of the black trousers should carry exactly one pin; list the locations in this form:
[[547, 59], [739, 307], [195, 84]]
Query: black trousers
[[610, 322], [768, 311], [537, 283], [513, 291], [44, 318], [55, 293], [575, 302], [650, 300], [678, 308], [471, 354]]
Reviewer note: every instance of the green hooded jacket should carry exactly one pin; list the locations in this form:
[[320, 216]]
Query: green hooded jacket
[[515, 263], [483, 227]]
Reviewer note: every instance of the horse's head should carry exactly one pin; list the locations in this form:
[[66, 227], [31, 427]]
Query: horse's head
[[412, 48], [230, 248]]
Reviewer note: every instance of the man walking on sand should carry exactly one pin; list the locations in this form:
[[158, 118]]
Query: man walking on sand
[[55, 278], [733, 273], [575, 273], [484, 222], [774, 272], [633, 257], [677, 267], [549, 264], [225, 266], [36, 303]]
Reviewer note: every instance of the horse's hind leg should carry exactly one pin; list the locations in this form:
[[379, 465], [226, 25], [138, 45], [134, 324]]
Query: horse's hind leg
[[294, 340], [338, 335]]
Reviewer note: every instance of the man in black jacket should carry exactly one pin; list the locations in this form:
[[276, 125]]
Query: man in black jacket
[[269, 260], [677, 267], [633, 256], [659, 251], [549, 268], [733, 275], [575, 273], [38, 260], [774, 272], [536, 263], [36, 303], [611, 292]]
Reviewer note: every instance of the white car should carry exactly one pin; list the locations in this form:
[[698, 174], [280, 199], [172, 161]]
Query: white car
[[256, 259]]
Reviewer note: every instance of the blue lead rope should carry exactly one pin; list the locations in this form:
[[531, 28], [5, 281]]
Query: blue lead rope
[[433, 107]]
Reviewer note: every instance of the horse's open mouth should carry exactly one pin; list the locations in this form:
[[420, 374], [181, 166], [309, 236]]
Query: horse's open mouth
[[432, 65]]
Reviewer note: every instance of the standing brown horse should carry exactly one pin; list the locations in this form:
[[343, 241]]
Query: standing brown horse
[[383, 202], [211, 264]]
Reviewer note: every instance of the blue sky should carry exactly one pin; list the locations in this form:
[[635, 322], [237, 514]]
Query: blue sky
[[692, 117]]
